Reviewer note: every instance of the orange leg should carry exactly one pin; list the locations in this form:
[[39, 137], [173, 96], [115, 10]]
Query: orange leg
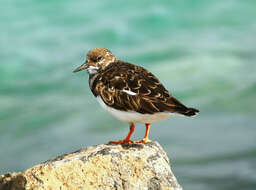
[[127, 138], [145, 139]]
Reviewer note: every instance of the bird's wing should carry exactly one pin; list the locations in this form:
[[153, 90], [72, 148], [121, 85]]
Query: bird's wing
[[128, 87]]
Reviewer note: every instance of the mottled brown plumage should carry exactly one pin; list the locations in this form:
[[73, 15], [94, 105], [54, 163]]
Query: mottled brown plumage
[[151, 96], [129, 88]]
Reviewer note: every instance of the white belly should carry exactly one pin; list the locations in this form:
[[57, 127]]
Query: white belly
[[134, 116]]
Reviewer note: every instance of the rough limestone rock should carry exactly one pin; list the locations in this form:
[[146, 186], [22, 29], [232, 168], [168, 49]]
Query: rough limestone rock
[[135, 166]]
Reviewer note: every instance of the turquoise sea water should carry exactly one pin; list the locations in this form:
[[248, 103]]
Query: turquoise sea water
[[204, 52]]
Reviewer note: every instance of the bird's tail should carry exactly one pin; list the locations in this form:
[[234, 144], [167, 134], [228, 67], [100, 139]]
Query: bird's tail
[[190, 112]]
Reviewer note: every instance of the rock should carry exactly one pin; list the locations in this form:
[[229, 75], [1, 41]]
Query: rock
[[134, 166]]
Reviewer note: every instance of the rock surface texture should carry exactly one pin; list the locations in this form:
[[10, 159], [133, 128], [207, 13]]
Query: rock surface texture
[[134, 166]]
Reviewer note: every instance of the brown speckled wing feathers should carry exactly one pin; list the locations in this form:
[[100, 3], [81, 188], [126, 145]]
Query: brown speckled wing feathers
[[118, 84]]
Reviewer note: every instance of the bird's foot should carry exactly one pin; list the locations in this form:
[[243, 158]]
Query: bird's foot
[[145, 140], [125, 141]]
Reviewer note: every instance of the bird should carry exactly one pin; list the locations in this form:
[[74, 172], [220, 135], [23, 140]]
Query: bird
[[130, 92]]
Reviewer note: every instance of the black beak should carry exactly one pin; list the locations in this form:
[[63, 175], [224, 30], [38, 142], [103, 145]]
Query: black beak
[[82, 67]]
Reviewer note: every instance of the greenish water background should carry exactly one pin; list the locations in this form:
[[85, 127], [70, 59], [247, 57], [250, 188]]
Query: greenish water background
[[204, 52]]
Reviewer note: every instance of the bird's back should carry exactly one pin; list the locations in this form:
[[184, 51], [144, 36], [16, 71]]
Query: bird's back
[[129, 87]]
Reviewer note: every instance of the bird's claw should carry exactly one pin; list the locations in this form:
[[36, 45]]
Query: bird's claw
[[145, 140]]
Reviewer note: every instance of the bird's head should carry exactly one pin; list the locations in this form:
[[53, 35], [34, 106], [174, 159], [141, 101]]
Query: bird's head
[[97, 59]]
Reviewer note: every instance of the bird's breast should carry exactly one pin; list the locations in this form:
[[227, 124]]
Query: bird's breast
[[93, 80]]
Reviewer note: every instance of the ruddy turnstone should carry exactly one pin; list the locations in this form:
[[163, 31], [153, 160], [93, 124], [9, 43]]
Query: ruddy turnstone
[[129, 92]]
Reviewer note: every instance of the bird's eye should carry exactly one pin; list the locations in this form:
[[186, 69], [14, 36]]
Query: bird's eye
[[99, 58]]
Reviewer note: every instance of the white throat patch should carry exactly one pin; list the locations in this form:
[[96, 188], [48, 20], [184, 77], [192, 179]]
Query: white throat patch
[[92, 69]]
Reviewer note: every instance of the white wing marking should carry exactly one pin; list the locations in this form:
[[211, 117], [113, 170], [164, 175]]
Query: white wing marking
[[130, 92]]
